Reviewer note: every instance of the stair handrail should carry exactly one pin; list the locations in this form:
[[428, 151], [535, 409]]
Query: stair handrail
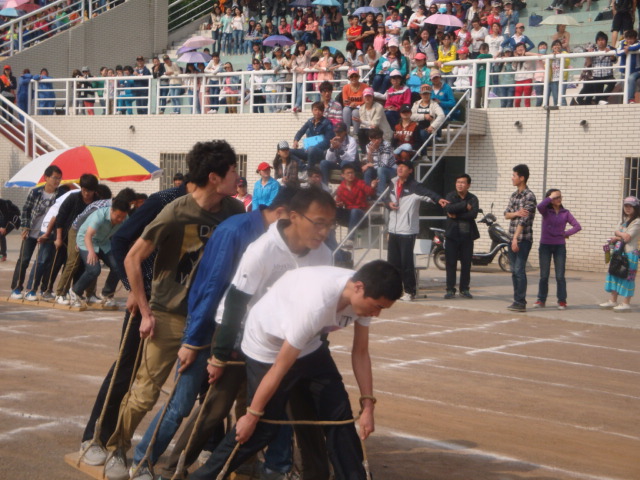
[[30, 129], [179, 12]]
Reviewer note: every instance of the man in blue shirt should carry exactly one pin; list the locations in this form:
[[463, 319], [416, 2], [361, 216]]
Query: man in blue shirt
[[318, 132], [265, 189]]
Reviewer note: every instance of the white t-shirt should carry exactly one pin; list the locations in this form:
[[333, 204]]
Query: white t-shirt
[[391, 25], [266, 260], [299, 308], [53, 211]]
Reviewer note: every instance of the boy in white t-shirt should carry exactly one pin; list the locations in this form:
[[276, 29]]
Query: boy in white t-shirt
[[283, 348]]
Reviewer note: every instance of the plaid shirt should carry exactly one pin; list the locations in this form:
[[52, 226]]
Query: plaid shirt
[[383, 156], [35, 204], [527, 200], [356, 197]]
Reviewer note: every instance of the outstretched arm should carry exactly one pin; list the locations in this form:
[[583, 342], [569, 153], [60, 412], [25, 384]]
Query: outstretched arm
[[361, 362]]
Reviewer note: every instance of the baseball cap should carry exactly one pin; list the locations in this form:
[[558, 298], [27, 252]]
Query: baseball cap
[[435, 73], [7, 67], [166, 57], [633, 201], [263, 166], [242, 182], [463, 50], [353, 71], [425, 87], [393, 42], [283, 145], [405, 147], [367, 91], [267, 60], [139, 57], [405, 108], [277, 49], [395, 73], [420, 56]]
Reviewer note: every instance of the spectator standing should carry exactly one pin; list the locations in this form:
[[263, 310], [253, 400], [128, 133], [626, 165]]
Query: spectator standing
[[460, 233], [8, 84], [46, 95], [300, 62], [520, 212], [446, 53], [173, 71], [393, 25], [265, 189], [628, 234], [553, 239], [354, 32], [509, 19], [524, 71], [243, 195], [629, 45], [623, 13], [86, 94], [227, 32], [9, 220], [495, 40], [369, 30], [507, 78], [563, 35], [602, 70], [141, 86], [478, 34], [237, 27], [554, 74], [519, 37], [216, 28], [481, 75]]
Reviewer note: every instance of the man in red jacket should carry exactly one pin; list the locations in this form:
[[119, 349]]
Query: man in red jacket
[[352, 197]]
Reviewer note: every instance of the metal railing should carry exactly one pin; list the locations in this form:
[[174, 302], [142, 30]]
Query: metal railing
[[183, 12], [26, 132], [43, 23]]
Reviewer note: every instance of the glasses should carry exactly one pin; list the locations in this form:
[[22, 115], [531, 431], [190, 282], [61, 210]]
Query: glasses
[[55, 179], [319, 226]]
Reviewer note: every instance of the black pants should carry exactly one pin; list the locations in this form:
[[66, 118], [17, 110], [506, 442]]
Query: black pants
[[318, 373], [594, 89], [461, 250], [400, 255], [120, 386], [29, 244]]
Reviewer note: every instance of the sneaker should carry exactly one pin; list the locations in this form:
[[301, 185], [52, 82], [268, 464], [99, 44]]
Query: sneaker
[[623, 307], [95, 456], [450, 294], [116, 467], [47, 296], [608, 304], [562, 305], [143, 473], [407, 297], [62, 300], [94, 299], [267, 474], [31, 296], [466, 294], [538, 304], [3, 258], [109, 303], [517, 307], [75, 300], [16, 295]]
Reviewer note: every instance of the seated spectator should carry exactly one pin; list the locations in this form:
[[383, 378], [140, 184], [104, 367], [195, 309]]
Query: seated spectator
[[392, 61], [380, 161], [462, 73], [442, 92], [299, 25], [372, 116], [406, 131], [416, 21], [314, 179], [354, 56], [284, 28], [332, 108], [519, 37], [285, 167], [409, 51], [242, 194], [419, 75], [427, 113], [343, 150], [380, 40], [396, 96], [318, 132], [325, 62], [426, 45], [352, 198], [311, 30], [352, 99], [339, 72], [628, 45], [602, 70], [265, 189], [371, 57]]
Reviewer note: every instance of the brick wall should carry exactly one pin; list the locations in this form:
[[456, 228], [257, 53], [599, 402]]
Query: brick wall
[[136, 27], [586, 164]]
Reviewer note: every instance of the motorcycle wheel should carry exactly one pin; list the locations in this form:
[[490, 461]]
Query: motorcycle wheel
[[439, 260], [503, 261]]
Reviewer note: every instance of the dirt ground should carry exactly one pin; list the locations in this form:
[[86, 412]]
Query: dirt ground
[[462, 394]]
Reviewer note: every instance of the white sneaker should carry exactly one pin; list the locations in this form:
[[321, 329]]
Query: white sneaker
[[608, 304], [62, 300], [407, 297], [623, 307], [116, 468], [143, 473], [95, 456], [16, 295], [31, 297], [94, 299], [75, 300], [109, 303]]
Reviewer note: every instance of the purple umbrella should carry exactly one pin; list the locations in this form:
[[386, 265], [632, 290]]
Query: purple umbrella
[[445, 20], [275, 40], [194, 57], [197, 42], [362, 10]]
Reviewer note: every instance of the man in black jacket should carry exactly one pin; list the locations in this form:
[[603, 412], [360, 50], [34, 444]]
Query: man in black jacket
[[460, 232]]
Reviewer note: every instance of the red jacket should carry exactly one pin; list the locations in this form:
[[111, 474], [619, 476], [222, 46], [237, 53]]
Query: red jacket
[[356, 197]]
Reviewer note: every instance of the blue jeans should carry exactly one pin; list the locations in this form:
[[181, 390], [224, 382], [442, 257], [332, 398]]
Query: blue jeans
[[309, 157], [383, 174], [559, 254], [237, 41], [553, 92], [506, 92], [43, 264], [26, 251], [518, 261], [298, 98], [349, 217], [631, 83], [225, 44], [91, 272], [175, 93], [327, 165]]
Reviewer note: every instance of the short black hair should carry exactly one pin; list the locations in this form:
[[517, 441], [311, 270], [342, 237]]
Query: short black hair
[[602, 35], [283, 198], [103, 192], [141, 196], [120, 204], [325, 86], [51, 169], [126, 194], [523, 171], [348, 166], [630, 34], [178, 176], [375, 132], [303, 199], [464, 175], [89, 181], [318, 105], [313, 171], [216, 156], [380, 279]]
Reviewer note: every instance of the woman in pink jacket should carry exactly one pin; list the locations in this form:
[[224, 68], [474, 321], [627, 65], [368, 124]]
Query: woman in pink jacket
[[397, 95]]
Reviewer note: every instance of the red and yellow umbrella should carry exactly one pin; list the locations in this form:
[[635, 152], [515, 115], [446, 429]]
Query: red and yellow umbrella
[[106, 163]]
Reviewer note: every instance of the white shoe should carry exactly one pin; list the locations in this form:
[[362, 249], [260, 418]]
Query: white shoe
[[143, 473], [94, 299], [623, 307], [608, 304], [31, 297], [16, 295], [62, 300], [95, 456], [109, 303], [407, 297], [116, 468], [75, 300]]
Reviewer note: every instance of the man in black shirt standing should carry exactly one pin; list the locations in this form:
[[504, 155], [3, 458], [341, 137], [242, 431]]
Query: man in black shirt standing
[[460, 232]]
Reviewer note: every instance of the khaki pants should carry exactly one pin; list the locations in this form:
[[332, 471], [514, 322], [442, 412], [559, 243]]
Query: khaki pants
[[159, 356], [74, 262]]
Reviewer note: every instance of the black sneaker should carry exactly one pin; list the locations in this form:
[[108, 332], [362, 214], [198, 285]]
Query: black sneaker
[[517, 307], [450, 294], [465, 294]]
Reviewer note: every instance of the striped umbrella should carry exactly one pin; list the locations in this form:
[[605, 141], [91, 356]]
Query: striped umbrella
[[106, 163]]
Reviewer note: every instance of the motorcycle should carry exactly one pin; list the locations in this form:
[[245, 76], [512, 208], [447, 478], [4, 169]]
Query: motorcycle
[[499, 245]]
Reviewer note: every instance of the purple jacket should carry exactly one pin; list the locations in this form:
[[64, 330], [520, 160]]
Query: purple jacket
[[553, 224]]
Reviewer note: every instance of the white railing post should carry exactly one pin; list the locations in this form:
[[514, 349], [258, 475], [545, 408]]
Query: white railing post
[[242, 94], [11, 39], [487, 83], [625, 89], [251, 87], [561, 83], [20, 35], [303, 93], [474, 77], [294, 82], [545, 88]]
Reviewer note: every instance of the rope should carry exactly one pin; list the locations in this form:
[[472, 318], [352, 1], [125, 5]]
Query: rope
[[98, 426], [155, 431], [183, 455], [53, 268]]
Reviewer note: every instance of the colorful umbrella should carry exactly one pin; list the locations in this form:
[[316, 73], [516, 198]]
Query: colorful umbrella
[[327, 3], [11, 12], [194, 57], [444, 19], [106, 163], [14, 3], [275, 40]]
